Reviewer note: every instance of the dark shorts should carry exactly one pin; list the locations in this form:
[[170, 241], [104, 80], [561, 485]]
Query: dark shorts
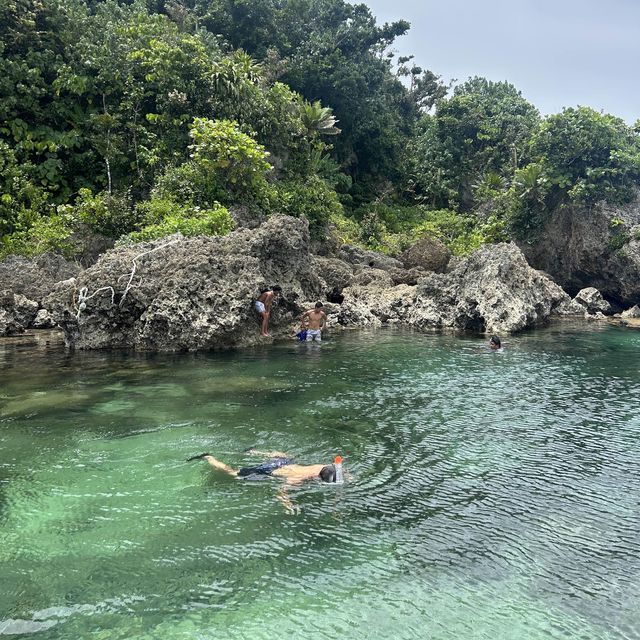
[[266, 468]]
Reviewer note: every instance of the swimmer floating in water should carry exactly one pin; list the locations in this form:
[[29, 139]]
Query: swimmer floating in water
[[494, 343], [281, 466]]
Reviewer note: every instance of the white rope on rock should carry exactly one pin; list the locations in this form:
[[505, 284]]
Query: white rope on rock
[[83, 297], [135, 266], [83, 294]]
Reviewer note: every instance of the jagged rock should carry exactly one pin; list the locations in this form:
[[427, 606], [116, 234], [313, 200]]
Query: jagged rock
[[362, 258], [493, 290], [34, 278], [16, 313], [633, 312], [88, 245], [198, 293], [189, 293], [592, 302], [592, 246], [43, 320], [335, 273], [246, 217], [427, 253]]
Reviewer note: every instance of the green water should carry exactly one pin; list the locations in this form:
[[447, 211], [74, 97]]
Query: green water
[[493, 495]]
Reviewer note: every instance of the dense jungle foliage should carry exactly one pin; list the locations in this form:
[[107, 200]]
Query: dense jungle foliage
[[138, 119]]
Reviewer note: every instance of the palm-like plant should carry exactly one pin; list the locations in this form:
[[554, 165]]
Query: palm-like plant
[[318, 119]]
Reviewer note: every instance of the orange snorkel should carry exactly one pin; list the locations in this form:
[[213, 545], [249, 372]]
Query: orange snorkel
[[337, 463]]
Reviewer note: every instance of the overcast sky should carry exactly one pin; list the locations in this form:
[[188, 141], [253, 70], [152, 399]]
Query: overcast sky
[[559, 53]]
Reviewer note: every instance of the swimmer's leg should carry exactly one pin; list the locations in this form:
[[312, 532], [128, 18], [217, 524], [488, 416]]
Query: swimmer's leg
[[216, 464]]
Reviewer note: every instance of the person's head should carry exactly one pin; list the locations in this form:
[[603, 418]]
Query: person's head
[[319, 305], [328, 473], [494, 343], [277, 289]]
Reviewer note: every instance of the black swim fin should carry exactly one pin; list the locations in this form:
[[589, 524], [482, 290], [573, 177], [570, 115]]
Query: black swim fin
[[202, 455]]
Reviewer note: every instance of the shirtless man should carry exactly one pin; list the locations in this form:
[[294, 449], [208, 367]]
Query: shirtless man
[[263, 307], [281, 466], [314, 322]]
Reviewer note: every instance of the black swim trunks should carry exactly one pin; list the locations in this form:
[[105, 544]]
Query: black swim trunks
[[266, 468]]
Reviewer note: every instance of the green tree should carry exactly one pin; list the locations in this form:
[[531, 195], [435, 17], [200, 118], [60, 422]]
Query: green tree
[[483, 129]]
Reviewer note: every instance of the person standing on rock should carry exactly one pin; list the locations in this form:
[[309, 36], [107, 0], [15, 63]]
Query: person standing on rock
[[263, 306], [314, 322]]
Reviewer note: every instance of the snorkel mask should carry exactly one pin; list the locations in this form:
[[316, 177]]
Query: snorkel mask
[[332, 473]]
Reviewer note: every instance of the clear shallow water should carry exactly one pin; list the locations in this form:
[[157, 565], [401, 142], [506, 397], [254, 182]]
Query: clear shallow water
[[493, 495]]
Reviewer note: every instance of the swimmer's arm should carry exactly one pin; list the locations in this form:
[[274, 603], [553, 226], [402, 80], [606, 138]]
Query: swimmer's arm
[[221, 465], [289, 506], [268, 454]]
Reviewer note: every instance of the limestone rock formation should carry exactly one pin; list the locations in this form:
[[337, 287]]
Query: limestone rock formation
[[591, 300], [16, 313], [198, 293], [597, 246], [427, 253], [34, 278], [493, 290], [189, 293]]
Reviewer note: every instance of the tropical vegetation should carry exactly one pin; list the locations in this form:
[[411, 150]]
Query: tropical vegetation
[[137, 119]]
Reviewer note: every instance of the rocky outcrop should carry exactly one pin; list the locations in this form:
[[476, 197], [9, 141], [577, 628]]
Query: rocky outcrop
[[361, 258], [493, 290], [16, 313], [596, 246], [34, 278], [632, 313], [24, 283], [198, 293], [189, 293], [427, 253], [591, 300]]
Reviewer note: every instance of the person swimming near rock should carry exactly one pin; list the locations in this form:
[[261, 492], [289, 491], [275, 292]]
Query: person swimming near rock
[[494, 343], [280, 465]]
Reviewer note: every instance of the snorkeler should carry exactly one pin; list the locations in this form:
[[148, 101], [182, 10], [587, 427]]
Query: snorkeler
[[281, 466]]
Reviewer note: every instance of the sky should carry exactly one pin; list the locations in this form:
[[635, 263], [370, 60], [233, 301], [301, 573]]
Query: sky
[[558, 53]]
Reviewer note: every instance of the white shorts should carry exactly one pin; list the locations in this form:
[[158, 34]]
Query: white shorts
[[259, 306], [314, 335]]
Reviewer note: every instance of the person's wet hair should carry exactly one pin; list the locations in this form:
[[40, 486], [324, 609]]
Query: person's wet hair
[[495, 340], [328, 473], [319, 305], [277, 287]]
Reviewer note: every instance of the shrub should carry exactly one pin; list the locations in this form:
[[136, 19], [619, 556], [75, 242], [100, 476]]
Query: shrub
[[233, 160], [41, 234], [112, 215], [313, 199], [165, 217]]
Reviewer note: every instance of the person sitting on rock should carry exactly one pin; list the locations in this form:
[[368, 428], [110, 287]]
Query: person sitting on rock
[[314, 322], [263, 306]]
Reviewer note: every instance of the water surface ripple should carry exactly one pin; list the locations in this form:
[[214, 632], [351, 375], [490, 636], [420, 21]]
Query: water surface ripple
[[491, 495]]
